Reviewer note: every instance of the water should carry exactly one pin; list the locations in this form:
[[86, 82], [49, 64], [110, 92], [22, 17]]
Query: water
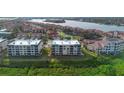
[[85, 25]]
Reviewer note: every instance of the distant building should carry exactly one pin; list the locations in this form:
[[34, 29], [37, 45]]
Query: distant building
[[66, 47], [53, 35], [24, 47], [29, 35], [4, 33], [29, 27], [109, 46], [113, 46]]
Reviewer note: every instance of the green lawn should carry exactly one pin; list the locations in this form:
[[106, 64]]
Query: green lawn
[[63, 35]]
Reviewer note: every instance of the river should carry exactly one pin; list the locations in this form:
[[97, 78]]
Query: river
[[84, 25]]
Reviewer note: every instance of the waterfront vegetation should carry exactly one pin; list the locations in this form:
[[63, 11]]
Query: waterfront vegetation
[[89, 64]]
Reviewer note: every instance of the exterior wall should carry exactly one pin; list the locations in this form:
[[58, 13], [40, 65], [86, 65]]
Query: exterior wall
[[66, 49], [40, 46]]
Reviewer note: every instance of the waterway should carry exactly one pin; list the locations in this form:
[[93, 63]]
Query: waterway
[[84, 25]]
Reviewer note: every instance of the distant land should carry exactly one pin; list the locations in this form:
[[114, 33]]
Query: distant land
[[55, 20], [103, 20]]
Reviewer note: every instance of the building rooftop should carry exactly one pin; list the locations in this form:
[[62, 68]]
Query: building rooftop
[[65, 42], [25, 42]]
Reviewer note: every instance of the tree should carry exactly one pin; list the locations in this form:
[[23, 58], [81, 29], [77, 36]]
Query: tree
[[106, 70], [46, 51], [76, 37], [29, 34], [45, 39]]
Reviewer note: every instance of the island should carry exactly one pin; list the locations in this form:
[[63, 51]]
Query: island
[[55, 20]]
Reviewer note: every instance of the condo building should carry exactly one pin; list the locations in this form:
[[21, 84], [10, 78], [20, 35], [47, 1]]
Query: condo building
[[113, 46], [25, 47], [66, 47], [108, 46]]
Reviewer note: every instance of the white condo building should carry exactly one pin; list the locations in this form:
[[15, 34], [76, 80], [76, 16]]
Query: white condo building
[[25, 47], [66, 47]]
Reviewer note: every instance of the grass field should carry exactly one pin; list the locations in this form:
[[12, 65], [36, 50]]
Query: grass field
[[41, 61], [88, 65]]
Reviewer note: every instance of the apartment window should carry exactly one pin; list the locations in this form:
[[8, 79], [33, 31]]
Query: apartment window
[[75, 46]]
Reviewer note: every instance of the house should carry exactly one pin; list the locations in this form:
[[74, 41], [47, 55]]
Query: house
[[25, 47], [66, 47]]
